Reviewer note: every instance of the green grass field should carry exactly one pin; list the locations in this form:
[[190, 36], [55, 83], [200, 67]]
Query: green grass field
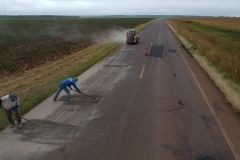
[[218, 43], [215, 44], [36, 84], [26, 43]]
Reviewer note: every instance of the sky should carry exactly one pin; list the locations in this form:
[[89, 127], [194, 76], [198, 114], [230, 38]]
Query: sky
[[121, 7]]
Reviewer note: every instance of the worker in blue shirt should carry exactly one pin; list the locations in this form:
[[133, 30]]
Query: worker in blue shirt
[[63, 86]]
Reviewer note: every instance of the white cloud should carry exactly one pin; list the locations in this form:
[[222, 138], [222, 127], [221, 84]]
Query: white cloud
[[116, 7]]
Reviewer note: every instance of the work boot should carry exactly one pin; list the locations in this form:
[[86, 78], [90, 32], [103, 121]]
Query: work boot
[[20, 126], [54, 100], [12, 125]]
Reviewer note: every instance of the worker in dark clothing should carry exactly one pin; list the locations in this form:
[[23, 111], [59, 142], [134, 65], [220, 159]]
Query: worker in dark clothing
[[11, 104], [63, 86]]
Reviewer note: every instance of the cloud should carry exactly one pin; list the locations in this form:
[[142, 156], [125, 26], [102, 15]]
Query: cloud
[[116, 7]]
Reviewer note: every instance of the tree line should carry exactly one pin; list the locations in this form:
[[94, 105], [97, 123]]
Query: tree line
[[37, 16]]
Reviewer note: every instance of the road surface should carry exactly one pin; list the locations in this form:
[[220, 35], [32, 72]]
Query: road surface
[[157, 107]]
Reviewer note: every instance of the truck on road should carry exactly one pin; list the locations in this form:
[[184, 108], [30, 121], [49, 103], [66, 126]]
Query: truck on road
[[132, 37]]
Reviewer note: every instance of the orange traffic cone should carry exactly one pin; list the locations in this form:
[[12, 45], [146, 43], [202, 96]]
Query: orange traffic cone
[[146, 52]]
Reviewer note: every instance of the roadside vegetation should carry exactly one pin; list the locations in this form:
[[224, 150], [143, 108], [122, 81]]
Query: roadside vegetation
[[28, 42], [215, 44], [41, 71]]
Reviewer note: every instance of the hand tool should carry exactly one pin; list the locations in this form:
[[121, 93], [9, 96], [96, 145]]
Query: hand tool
[[87, 95], [21, 117]]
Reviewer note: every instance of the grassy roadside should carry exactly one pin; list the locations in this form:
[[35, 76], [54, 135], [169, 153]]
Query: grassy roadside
[[229, 86], [29, 42], [35, 85]]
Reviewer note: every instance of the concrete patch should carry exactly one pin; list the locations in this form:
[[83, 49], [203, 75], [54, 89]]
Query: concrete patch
[[79, 99], [47, 132]]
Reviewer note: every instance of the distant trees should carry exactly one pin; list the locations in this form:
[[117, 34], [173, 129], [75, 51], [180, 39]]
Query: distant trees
[[37, 16]]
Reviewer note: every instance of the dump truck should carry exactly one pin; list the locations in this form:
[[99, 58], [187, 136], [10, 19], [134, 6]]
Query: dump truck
[[132, 37]]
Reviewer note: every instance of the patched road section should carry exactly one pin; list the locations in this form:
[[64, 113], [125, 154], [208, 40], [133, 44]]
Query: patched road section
[[62, 125], [156, 51], [47, 132]]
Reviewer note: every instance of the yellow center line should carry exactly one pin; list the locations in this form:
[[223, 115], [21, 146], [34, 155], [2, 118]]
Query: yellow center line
[[142, 72]]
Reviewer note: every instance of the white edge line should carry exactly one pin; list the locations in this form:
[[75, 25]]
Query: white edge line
[[210, 107], [121, 50], [140, 33]]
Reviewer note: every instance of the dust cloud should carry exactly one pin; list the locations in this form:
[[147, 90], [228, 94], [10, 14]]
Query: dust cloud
[[112, 35]]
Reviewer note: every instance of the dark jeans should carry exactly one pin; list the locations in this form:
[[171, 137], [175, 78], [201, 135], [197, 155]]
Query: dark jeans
[[9, 116], [60, 88]]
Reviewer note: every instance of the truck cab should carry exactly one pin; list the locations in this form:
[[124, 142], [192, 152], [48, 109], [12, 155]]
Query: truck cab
[[132, 37]]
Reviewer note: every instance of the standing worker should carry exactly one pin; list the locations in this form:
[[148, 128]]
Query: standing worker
[[63, 86], [11, 104]]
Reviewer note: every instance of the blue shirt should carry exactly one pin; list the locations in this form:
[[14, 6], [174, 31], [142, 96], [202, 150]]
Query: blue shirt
[[68, 82]]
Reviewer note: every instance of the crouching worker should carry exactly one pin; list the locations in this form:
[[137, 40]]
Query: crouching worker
[[11, 104], [63, 86]]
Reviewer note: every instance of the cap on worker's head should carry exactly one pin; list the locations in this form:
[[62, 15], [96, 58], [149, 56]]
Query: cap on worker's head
[[13, 96], [75, 79]]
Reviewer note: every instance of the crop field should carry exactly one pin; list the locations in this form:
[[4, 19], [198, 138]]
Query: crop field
[[215, 45], [26, 43], [224, 23], [68, 51], [218, 39]]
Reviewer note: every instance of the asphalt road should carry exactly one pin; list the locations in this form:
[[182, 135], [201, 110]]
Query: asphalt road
[[157, 107]]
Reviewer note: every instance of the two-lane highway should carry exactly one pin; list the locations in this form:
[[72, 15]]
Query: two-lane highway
[[161, 106], [157, 107]]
